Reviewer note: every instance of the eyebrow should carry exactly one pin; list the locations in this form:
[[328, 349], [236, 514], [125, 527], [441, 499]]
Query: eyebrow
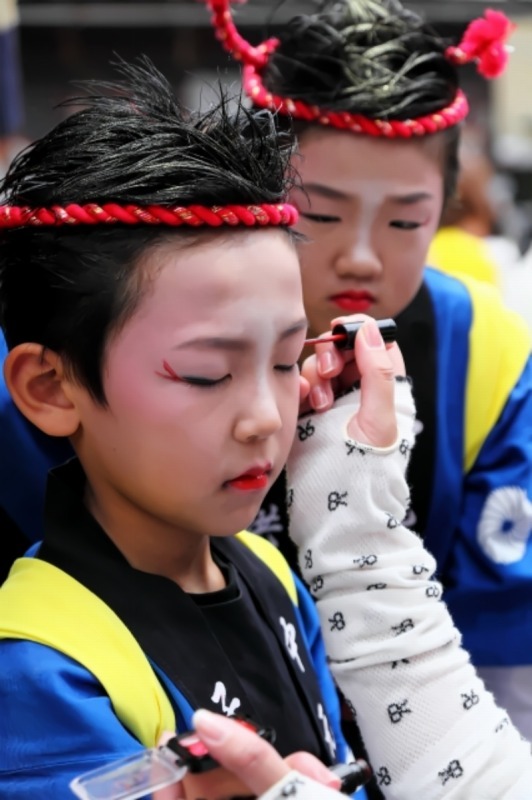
[[335, 194], [235, 344], [411, 199], [325, 191]]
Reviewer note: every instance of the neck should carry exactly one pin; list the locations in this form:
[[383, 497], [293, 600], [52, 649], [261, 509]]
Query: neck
[[155, 546]]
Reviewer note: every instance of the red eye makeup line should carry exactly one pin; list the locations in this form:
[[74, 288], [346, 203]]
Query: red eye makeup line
[[344, 335], [169, 373]]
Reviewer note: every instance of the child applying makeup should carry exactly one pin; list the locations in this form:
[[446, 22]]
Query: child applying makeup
[[374, 97]]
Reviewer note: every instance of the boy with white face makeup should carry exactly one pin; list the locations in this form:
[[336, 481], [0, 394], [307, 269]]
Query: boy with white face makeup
[[135, 243], [374, 97]]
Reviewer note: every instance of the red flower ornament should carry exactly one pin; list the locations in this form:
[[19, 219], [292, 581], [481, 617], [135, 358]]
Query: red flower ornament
[[484, 41]]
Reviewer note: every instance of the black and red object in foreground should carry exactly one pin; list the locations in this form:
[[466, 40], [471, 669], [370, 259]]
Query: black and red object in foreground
[[139, 775], [194, 755], [343, 335], [152, 769], [352, 775]]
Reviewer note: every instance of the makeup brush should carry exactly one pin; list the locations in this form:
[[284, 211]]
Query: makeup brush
[[343, 335]]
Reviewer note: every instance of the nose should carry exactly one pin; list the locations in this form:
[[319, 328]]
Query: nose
[[358, 258], [260, 416]]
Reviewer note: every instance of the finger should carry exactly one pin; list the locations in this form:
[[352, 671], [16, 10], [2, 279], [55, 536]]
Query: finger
[[330, 361], [304, 389], [310, 766], [349, 355], [338, 366], [375, 423], [321, 396], [398, 361], [253, 760], [176, 791]]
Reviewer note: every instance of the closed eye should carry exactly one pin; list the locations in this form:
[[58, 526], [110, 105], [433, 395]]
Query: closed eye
[[285, 367], [192, 380], [203, 382], [323, 218], [404, 224]]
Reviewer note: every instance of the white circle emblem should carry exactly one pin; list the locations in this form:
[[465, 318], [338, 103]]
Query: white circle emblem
[[505, 525]]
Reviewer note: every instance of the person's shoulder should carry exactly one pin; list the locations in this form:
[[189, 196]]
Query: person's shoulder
[[56, 722], [457, 252], [268, 554], [483, 301], [38, 665], [40, 680], [450, 295], [456, 287]]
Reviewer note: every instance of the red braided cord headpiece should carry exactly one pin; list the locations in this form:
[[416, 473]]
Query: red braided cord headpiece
[[483, 42], [110, 213]]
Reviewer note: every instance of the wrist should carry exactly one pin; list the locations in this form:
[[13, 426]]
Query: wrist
[[299, 787]]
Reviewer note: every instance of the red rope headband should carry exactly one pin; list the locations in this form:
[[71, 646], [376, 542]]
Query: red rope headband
[[483, 42], [195, 216]]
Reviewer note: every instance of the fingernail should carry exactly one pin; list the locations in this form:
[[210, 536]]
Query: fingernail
[[323, 775], [325, 363], [209, 726], [318, 398], [372, 335], [333, 782]]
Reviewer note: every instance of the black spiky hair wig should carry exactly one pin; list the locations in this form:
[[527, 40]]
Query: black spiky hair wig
[[68, 288], [368, 57]]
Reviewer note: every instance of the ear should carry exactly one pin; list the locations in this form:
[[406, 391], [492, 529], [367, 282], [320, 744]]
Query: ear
[[36, 380]]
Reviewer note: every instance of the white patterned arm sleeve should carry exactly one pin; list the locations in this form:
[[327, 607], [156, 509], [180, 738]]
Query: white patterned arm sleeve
[[296, 786], [431, 729]]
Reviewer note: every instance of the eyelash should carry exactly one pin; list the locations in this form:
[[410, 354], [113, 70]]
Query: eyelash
[[207, 383], [323, 218], [285, 367], [204, 383], [404, 225]]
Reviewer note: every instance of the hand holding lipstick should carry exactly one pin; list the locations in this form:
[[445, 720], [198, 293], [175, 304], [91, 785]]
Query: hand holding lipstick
[[249, 766], [375, 363]]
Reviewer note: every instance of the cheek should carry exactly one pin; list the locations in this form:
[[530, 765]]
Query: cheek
[[289, 397], [142, 403], [406, 258], [128, 381], [315, 256], [136, 392]]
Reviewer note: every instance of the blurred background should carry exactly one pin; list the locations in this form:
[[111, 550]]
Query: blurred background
[[45, 46]]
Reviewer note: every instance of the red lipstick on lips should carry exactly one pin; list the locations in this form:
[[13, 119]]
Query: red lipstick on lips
[[252, 480], [353, 302]]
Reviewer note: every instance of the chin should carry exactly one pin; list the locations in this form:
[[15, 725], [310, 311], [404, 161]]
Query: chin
[[237, 523]]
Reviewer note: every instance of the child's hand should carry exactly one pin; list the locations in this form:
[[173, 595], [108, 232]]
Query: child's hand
[[249, 765], [330, 371]]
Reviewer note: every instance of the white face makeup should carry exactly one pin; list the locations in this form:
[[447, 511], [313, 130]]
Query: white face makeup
[[369, 210], [202, 386]]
